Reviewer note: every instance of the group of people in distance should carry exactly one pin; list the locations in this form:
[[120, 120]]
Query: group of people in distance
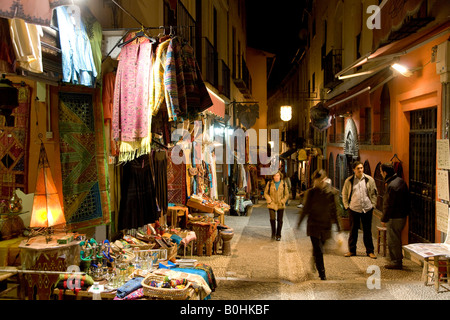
[[359, 198]]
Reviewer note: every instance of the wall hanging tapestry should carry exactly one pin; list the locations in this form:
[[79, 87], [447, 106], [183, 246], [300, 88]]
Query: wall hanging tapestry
[[14, 140], [83, 162], [176, 181]]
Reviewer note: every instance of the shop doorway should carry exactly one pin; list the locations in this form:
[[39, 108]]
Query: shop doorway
[[422, 174]]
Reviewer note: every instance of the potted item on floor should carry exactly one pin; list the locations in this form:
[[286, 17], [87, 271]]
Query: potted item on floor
[[343, 217]]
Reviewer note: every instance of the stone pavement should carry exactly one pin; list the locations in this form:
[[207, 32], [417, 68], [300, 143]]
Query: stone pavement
[[263, 269]]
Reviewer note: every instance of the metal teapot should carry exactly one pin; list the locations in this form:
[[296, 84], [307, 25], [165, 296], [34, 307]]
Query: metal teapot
[[15, 203]]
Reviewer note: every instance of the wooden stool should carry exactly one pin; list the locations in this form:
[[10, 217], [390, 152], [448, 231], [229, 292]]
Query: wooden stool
[[439, 273], [381, 234]]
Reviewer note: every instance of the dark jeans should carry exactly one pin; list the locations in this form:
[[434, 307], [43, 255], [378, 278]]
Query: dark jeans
[[394, 240], [356, 218], [276, 221], [317, 245]]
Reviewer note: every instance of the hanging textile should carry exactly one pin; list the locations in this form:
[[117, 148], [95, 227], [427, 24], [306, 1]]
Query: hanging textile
[[32, 11], [76, 51], [138, 205], [160, 174], [197, 96], [95, 35], [176, 181], [107, 98], [398, 168], [14, 147], [83, 161], [7, 55], [157, 90], [27, 44], [131, 122]]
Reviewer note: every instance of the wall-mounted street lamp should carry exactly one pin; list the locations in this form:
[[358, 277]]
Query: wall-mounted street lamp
[[286, 113], [403, 70]]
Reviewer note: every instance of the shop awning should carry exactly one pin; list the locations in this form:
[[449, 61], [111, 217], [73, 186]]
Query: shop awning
[[359, 95], [399, 48], [218, 107]]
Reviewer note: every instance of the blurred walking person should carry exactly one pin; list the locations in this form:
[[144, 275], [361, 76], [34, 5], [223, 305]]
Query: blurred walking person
[[320, 205], [396, 208], [276, 194]]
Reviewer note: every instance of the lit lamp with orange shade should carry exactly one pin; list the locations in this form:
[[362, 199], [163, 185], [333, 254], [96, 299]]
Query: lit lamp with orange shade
[[47, 211]]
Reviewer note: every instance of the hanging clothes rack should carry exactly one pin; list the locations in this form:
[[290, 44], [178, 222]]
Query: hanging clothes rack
[[395, 156], [172, 28]]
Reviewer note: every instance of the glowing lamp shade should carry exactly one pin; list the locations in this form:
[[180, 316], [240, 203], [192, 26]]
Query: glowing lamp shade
[[285, 113], [47, 210]]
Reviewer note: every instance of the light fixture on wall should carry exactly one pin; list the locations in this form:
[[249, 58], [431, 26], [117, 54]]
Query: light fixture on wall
[[47, 211], [286, 113], [407, 72]]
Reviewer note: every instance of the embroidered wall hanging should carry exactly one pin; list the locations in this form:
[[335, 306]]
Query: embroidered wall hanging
[[14, 142], [83, 162]]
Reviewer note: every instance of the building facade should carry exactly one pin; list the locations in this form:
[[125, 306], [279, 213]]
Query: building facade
[[376, 114]]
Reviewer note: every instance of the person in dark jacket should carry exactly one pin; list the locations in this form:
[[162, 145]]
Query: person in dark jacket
[[320, 205], [396, 208]]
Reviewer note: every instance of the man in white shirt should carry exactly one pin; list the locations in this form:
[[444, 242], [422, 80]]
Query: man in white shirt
[[359, 196]]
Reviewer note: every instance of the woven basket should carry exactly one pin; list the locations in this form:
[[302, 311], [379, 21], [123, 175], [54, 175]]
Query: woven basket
[[163, 293]]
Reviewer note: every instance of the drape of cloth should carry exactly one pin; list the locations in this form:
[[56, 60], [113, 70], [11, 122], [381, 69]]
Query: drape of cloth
[[157, 91], [109, 81], [26, 39], [160, 173], [131, 119], [197, 96], [31, 11], [7, 55], [84, 168], [210, 274], [14, 146], [138, 204], [76, 51], [176, 181], [95, 35], [398, 168]]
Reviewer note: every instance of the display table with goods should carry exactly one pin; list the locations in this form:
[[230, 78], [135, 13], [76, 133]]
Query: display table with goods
[[43, 259], [131, 269], [203, 204]]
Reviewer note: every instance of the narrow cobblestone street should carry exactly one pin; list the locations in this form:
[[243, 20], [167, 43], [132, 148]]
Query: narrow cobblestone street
[[263, 269]]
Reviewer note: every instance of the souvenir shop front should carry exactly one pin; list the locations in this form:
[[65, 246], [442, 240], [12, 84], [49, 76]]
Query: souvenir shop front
[[116, 142]]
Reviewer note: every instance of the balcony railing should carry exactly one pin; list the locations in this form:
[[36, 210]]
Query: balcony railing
[[186, 26], [364, 138], [211, 63], [332, 65], [381, 138], [242, 78], [336, 138]]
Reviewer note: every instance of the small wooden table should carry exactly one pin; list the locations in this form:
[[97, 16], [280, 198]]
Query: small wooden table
[[36, 254], [175, 212]]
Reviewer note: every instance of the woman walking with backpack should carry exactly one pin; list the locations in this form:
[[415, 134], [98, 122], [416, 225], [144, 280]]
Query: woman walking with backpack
[[276, 194]]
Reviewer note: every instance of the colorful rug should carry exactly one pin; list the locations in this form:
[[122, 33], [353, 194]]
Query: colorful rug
[[83, 162], [14, 141], [176, 181]]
